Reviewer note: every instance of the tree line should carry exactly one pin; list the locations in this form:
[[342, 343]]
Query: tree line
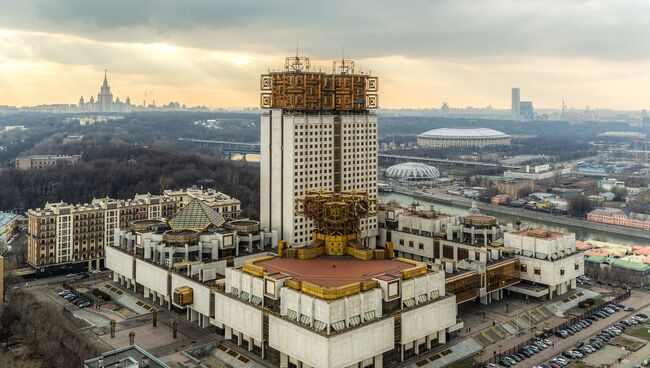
[[49, 337], [120, 170]]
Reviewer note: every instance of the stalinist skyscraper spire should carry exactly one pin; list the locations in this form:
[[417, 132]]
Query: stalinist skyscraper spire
[[105, 97]]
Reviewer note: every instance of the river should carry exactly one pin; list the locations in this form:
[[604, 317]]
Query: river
[[581, 234]]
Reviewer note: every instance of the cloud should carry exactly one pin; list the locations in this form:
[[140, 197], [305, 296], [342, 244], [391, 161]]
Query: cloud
[[368, 28], [426, 52]]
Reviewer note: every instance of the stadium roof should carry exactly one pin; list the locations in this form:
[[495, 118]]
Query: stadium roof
[[463, 133], [412, 171]]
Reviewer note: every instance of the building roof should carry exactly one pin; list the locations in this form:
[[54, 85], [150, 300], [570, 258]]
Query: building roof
[[196, 215], [540, 233], [7, 217], [127, 356], [607, 212], [617, 262], [479, 133], [334, 271], [412, 170]]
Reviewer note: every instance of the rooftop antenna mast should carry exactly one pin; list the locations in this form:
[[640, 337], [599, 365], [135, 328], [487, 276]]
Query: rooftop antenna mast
[[297, 63], [344, 66]]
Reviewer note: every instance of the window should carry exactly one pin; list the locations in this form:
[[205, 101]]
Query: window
[[292, 314], [305, 319], [421, 246], [355, 321], [338, 326], [256, 300], [319, 325], [234, 291], [524, 268], [423, 299], [369, 316], [435, 294], [537, 271], [401, 242], [409, 303], [561, 271], [577, 266], [411, 243]]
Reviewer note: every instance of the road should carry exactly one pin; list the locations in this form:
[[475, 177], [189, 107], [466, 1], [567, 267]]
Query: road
[[638, 300], [581, 224]]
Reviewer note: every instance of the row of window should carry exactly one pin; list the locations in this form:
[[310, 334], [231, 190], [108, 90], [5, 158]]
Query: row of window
[[538, 272], [336, 326]]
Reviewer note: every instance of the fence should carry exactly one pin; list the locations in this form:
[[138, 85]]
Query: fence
[[498, 356]]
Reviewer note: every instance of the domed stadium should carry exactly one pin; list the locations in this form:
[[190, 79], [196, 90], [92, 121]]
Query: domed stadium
[[457, 137], [412, 171]]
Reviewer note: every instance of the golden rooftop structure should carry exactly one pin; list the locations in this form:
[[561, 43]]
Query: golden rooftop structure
[[299, 88]]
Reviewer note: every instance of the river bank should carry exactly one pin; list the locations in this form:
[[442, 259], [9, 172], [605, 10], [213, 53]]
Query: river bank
[[583, 229]]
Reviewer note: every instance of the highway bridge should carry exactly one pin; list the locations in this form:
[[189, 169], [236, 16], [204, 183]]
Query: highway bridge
[[227, 147], [245, 148], [428, 160]]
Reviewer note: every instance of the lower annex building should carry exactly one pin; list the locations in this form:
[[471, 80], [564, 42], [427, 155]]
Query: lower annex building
[[483, 259], [333, 303]]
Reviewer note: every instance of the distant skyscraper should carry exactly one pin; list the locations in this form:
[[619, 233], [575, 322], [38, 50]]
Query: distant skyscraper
[[105, 97], [516, 105], [105, 102], [317, 132], [526, 110]]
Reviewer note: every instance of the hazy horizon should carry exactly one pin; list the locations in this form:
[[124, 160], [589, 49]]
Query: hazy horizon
[[588, 53]]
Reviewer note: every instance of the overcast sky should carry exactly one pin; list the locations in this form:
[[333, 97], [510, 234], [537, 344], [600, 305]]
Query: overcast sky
[[208, 52]]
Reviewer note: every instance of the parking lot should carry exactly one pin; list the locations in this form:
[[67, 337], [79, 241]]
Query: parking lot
[[578, 341]]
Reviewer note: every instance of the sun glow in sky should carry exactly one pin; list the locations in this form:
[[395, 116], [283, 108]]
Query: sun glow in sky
[[211, 53]]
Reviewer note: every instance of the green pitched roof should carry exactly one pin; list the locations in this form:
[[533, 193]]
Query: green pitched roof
[[618, 262], [630, 264], [196, 216], [596, 259]]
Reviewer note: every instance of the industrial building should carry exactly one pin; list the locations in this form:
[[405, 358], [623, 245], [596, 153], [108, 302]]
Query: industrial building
[[457, 137], [63, 235], [537, 172], [512, 187], [618, 217], [43, 161], [318, 130]]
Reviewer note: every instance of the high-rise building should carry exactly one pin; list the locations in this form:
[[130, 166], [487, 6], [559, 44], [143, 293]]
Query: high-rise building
[[105, 102], [318, 132], [526, 110], [105, 97], [516, 104]]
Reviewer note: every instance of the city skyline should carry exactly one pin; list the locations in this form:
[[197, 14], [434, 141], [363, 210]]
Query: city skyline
[[207, 53]]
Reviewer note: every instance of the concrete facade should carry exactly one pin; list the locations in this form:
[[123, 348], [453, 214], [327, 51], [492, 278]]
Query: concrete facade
[[355, 331], [308, 152], [548, 259]]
